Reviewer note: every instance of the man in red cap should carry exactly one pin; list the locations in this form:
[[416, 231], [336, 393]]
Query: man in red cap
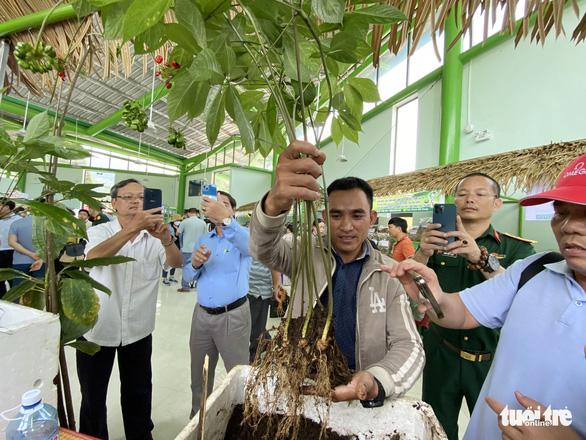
[[536, 385]]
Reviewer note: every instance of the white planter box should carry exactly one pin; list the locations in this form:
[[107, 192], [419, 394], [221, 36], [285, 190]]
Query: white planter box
[[412, 419], [29, 355]]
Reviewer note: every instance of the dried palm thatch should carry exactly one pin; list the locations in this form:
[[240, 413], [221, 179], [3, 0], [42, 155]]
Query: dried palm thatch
[[540, 17], [521, 169], [111, 58]]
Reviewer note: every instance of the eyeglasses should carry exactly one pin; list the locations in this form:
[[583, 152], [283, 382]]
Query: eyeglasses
[[130, 198]]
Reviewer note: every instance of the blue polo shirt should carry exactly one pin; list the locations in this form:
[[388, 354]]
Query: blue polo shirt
[[345, 280], [541, 350], [224, 277]]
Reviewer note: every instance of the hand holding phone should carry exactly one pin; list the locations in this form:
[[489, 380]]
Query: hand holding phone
[[445, 214], [426, 293], [153, 198]]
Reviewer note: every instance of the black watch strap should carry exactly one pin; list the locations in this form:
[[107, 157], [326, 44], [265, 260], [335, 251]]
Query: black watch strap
[[379, 400]]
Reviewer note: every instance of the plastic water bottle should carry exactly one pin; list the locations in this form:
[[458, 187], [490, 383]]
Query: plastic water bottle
[[36, 420]]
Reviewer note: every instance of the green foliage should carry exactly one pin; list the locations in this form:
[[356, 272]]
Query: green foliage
[[246, 58], [102, 261], [86, 347], [79, 301]]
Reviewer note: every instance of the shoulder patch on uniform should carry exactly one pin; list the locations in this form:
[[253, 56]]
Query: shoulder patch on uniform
[[514, 237]]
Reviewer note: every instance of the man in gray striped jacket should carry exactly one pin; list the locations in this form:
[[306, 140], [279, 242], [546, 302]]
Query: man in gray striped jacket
[[373, 323]]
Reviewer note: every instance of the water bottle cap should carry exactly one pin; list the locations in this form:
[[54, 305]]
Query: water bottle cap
[[31, 398]]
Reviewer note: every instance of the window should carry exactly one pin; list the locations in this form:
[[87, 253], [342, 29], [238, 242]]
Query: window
[[404, 138], [222, 180]]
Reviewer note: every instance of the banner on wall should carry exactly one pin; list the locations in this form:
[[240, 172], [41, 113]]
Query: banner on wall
[[421, 201]]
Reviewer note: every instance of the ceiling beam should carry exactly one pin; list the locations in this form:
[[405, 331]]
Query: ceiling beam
[[34, 20], [17, 107], [115, 117], [196, 160]]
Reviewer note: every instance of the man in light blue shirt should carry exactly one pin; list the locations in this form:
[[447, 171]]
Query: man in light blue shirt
[[7, 217], [25, 257], [536, 386], [190, 230], [221, 320]]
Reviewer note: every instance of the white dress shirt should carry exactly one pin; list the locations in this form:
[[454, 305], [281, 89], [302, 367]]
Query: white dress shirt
[[128, 315]]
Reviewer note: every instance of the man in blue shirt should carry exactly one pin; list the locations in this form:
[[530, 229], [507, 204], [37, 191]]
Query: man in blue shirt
[[536, 384], [221, 320]]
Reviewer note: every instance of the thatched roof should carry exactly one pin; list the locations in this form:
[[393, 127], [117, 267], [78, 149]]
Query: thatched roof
[[521, 169]]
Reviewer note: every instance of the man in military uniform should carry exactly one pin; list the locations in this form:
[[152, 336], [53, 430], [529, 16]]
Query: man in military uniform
[[458, 360]]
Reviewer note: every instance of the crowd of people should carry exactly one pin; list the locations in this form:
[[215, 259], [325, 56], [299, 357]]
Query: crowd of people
[[512, 335]]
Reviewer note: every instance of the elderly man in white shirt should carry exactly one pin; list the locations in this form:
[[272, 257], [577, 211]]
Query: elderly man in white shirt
[[127, 317]]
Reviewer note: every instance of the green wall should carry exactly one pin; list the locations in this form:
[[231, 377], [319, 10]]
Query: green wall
[[248, 185]]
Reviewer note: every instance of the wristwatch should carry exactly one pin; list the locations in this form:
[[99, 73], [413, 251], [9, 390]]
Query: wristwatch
[[492, 264], [227, 221]]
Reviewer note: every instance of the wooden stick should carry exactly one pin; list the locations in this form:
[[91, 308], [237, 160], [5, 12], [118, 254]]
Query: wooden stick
[[204, 398]]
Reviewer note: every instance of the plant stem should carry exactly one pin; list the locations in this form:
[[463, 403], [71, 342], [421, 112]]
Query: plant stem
[[44, 23]]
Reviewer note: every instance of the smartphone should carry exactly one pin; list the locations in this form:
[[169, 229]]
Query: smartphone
[[153, 198], [209, 190], [426, 293], [445, 214]]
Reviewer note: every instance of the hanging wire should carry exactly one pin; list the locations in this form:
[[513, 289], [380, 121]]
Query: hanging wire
[[28, 97], [151, 124]]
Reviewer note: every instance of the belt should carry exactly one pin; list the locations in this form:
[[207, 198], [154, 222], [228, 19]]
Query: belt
[[472, 357], [223, 309]]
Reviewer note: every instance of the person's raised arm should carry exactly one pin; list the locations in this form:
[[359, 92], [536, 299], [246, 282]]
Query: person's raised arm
[[456, 315], [112, 245]]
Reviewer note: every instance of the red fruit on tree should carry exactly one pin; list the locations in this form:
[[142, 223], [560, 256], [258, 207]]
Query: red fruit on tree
[[175, 64], [157, 73], [168, 85], [159, 59]]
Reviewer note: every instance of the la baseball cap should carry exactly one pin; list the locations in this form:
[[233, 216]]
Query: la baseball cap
[[570, 186]]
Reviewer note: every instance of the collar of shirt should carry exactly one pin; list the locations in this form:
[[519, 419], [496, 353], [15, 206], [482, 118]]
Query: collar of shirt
[[492, 233]]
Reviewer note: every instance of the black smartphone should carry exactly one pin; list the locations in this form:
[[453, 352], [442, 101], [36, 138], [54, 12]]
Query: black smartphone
[[426, 293], [445, 214], [153, 198]]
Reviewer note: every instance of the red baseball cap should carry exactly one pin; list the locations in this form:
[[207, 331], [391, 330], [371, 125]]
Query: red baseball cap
[[570, 186]]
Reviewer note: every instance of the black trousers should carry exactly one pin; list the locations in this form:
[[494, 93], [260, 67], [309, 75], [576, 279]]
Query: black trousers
[[134, 363], [259, 311], [5, 263]]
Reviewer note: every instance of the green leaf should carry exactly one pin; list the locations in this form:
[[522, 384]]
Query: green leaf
[[9, 274], [252, 99], [16, 292], [188, 96], [366, 87], [271, 114], [206, 67], [142, 15], [329, 11], [350, 133], [215, 115], [66, 149], [178, 34], [84, 192], [77, 274], [349, 119], [332, 66], [38, 126], [189, 16], [61, 233], [309, 65], [86, 347], [102, 261], [52, 212], [79, 301], [7, 147], [113, 19], [210, 8], [82, 7], [336, 131], [150, 40], [34, 298], [353, 100], [265, 140], [246, 133], [228, 62], [347, 48], [71, 330], [380, 14]]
